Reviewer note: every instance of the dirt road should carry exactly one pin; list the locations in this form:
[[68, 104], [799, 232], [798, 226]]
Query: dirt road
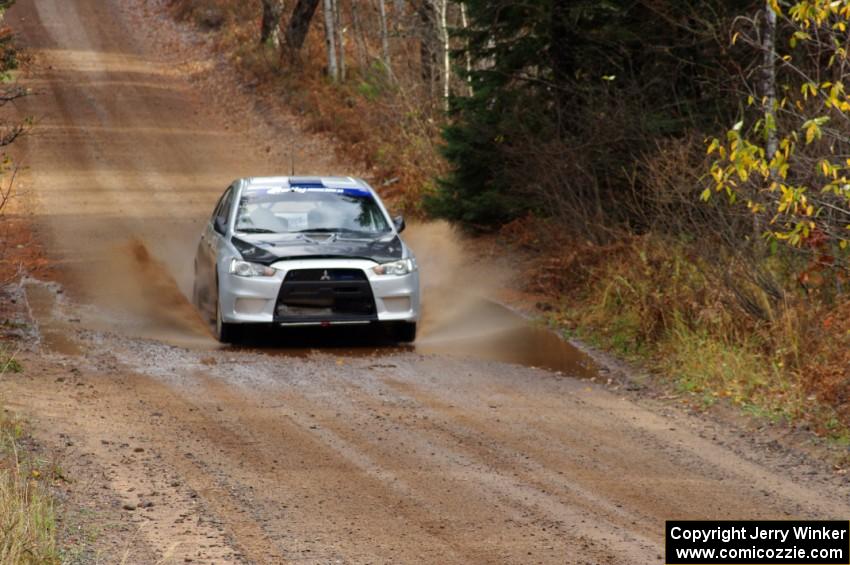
[[182, 451]]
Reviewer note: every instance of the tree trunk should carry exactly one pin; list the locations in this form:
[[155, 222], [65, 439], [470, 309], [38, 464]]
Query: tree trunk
[[769, 93], [562, 43], [428, 44], [769, 85], [443, 7], [330, 42], [359, 38], [464, 22], [340, 38], [385, 42], [299, 24], [270, 26]]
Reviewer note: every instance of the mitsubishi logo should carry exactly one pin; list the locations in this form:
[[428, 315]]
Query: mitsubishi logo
[[325, 276]]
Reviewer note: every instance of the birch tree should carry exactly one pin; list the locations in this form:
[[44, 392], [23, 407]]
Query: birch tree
[[385, 42], [340, 38], [442, 10], [791, 167], [330, 41], [433, 15], [467, 56], [769, 85], [359, 35]]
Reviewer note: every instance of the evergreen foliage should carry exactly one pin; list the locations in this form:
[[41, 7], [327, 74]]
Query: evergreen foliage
[[568, 94]]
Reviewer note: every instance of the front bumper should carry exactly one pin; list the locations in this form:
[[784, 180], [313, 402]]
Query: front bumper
[[252, 300]]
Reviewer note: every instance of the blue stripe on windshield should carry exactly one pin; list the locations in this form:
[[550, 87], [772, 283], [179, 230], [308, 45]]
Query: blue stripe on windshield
[[356, 192]]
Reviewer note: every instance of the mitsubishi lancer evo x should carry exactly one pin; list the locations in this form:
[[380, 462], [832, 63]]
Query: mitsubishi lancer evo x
[[298, 251]]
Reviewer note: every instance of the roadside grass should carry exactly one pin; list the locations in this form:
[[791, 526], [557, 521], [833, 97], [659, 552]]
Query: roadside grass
[[27, 514], [8, 362], [710, 369], [710, 329]]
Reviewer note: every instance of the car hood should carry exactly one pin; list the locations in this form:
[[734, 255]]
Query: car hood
[[270, 248]]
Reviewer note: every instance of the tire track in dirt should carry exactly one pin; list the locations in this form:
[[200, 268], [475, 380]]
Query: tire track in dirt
[[490, 476], [383, 506]]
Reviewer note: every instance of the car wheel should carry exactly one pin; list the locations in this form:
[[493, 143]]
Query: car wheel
[[404, 332]]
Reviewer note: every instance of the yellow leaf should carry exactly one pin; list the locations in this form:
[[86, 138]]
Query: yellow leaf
[[810, 133], [774, 5]]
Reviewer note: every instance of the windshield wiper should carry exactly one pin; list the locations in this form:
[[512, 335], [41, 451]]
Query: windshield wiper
[[255, 230]]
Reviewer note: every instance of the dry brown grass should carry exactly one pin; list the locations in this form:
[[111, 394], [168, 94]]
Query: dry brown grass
[[827, 371], [712, 328], [27, 517]]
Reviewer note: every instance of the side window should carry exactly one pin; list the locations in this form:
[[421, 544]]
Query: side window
[[222, 210], [218, 205]]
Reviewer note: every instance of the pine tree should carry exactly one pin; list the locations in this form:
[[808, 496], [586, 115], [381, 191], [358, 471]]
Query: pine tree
[[518, 52], [566, 96]]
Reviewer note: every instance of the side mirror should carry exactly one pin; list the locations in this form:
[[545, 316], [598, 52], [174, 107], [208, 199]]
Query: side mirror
[[399, 223], [220, 225]]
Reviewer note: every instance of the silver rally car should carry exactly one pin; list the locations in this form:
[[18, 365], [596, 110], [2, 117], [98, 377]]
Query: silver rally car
[[305, 251]]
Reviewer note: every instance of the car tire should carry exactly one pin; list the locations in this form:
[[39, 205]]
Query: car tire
[[404, 332]]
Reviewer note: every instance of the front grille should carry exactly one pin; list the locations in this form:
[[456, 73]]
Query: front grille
[[325, 295], [320, 275]]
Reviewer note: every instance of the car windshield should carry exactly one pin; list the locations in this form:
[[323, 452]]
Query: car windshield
[[319, 210]]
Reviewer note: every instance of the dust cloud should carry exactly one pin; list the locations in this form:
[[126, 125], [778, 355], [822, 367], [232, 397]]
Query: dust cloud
[[460, 315], [454, 283], [135, 293]]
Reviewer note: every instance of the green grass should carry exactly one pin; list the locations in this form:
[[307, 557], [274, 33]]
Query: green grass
[[10, 365], [701, 364], [8, 362]]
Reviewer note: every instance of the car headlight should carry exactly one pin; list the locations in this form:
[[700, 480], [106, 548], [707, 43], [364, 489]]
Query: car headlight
[[246, 269], [398, 268]]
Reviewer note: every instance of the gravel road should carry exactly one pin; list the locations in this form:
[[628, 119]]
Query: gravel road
[[486, 443]]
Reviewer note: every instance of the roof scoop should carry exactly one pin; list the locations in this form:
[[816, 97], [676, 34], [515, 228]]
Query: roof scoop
[[306, 182]]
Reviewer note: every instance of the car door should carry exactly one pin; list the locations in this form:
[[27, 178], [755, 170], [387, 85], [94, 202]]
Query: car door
[[211, 239]]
